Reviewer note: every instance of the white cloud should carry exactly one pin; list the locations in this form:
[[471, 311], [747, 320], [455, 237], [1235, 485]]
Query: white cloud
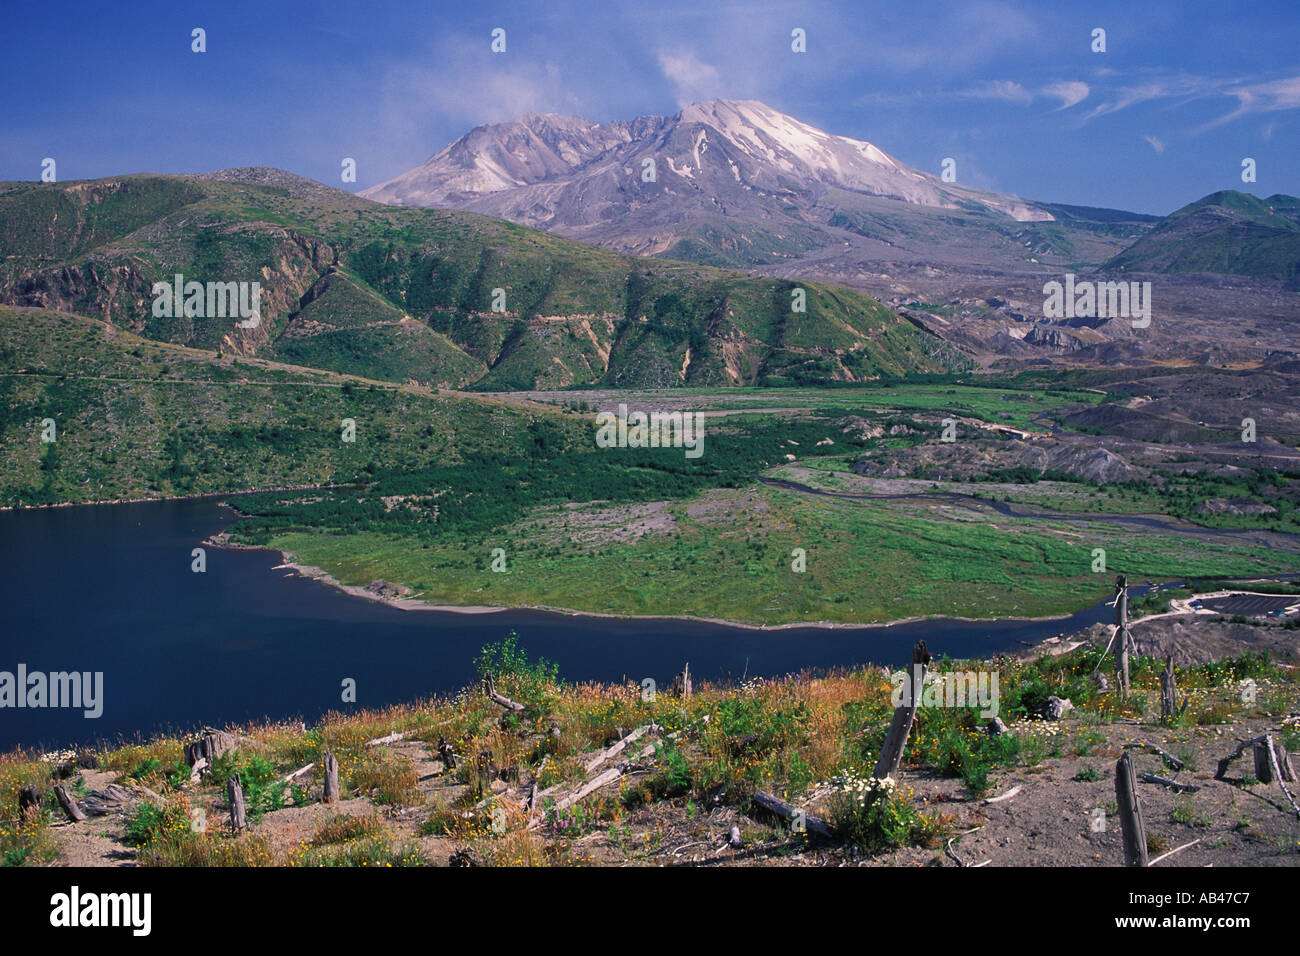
[[1128, 96], [1267, 97], [692, 79], [1252, 97], [1006, 90], [1070, 93], [1156, 144]]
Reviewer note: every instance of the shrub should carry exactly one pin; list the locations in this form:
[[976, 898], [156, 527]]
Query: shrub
[[149, 823], [388, 778], [871, 815], [27, 842], [344, 829], [206, 849], [532, 684], [263, 791]]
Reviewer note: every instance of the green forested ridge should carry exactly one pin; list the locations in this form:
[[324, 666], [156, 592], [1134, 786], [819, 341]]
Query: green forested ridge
[[408, 293], [1224, 232], [137, 418]]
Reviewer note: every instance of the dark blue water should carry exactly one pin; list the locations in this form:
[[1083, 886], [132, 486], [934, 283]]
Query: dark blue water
[[109, 588]]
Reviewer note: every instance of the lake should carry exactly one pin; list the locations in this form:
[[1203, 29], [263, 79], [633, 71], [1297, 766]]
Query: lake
[[109, 588]]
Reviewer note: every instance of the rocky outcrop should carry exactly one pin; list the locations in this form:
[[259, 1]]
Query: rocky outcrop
[[1235, 506]]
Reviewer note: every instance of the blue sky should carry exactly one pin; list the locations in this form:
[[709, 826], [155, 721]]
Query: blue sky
[[1011, 90]]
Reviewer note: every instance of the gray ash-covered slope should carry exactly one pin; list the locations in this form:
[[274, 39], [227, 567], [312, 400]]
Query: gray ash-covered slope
[[736, 182], [742, 185]]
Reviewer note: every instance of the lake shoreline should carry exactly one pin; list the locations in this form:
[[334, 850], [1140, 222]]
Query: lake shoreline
[[147, 500], [419, 604]]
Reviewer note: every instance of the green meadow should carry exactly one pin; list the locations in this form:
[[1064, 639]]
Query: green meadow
[[730, 555]]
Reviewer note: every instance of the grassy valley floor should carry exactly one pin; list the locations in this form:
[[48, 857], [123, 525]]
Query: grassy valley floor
[[729, 554]]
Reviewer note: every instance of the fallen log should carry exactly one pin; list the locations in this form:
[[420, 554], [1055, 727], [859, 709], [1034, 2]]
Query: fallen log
[[290, 778], [609, 776], [590, 786], [114, 798], [618, 746], [799, 820], [1177, 849], [404, 734], [1171, 784], [1241, 748], [511, 705], [594, 784], [1152, 748], [1006, 796], [953, 853]]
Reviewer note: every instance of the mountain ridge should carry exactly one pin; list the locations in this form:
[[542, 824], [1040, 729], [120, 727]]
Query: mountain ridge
[[401, 294], [1226, 232], [739, 184]]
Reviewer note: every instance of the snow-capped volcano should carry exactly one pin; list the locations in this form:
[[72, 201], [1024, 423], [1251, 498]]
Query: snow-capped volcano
[[715, 169]]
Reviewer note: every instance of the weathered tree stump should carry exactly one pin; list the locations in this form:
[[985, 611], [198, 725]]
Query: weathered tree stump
[[235, 794], [1168, 691], [69, 805], [1122, 634], [1130, 813], [681, 684], [29, 802], [1271, 755], [1283, 760], [211, 745], [1263, 760], [446, 754], [330, 764], [891, 754]]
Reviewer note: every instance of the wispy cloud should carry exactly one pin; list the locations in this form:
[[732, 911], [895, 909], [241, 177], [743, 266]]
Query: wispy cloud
[[1156, 144], [1267, 97], [1252, 96], [1007, 91], [1154, 89], [692, 79], [1070, 93], [1067, 92]]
